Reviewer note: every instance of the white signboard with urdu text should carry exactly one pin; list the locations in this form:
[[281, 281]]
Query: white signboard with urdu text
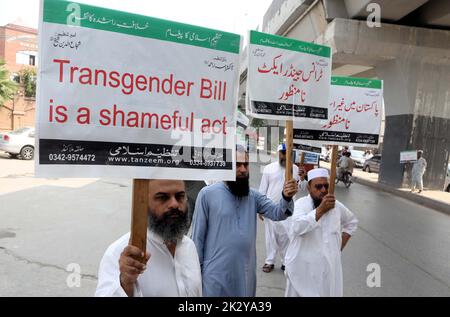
[[287, 79], [354, 115], [309, 157], [125, 95], [408, 156]]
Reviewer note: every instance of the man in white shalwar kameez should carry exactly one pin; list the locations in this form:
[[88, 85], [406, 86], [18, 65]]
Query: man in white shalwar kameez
[[171, 268], [418, 170], [320, 229], [272, 182]]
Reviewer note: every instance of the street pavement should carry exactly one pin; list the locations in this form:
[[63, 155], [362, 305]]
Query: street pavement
[[439, 196], [48, 224]]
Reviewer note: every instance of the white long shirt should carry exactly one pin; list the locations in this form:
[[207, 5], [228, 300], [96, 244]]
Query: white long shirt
[[272, 184], [419, 167], [313, 258], [272, 180], [165, 276]]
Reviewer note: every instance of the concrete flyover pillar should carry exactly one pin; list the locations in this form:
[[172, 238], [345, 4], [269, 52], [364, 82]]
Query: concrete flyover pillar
[[415, 66], [417, 98]]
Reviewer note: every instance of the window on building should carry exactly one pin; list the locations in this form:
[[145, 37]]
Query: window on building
[[22, 58], [26, 58]]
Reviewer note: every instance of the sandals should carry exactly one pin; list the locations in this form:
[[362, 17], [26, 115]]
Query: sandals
[[267, 268]]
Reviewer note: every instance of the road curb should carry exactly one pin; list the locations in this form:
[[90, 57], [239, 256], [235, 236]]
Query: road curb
[[424, 201]]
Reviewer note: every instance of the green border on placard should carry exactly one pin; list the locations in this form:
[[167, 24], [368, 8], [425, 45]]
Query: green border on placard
[[356, 82], [265, 39], [67, 13]]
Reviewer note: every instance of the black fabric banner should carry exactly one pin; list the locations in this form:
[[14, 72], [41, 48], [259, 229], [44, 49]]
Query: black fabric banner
[[284, 109], [307, 148], [72, 152], [333, 136]]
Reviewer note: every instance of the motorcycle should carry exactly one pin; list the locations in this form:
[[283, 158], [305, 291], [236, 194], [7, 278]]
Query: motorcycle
[[346, 178]]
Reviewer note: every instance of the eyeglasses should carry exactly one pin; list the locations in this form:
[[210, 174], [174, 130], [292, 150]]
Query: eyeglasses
[[320, 186]]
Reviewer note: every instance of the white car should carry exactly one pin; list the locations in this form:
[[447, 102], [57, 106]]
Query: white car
[[358, 158], [19, 142]]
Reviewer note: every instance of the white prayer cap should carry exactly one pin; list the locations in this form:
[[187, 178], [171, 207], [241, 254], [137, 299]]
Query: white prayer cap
[[316, 173]]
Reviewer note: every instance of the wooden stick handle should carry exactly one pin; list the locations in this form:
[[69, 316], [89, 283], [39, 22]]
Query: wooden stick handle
[[289, 146], [302, 159], [334, 155], [139, 214]]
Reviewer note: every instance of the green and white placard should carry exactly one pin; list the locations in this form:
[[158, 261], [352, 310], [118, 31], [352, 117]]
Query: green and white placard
[[126, 95], [287, 79], [355, 110]]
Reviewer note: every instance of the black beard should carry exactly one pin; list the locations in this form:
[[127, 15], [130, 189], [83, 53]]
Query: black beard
[[316, 202], [282, 162], [170, 229], [240, 188]]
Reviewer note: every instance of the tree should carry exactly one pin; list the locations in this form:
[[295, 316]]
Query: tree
[[8, 88], [258, 123], [28, 80]]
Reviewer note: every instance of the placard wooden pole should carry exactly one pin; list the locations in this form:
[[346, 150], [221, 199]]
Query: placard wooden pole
[[334, 155], [139, 212], [289, 146], [302, 158]]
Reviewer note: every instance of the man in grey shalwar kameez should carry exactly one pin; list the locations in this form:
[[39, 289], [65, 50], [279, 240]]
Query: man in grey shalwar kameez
[[224, 231]]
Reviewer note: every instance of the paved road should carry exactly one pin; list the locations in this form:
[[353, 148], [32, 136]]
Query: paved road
[[409, 242], [46, 224]]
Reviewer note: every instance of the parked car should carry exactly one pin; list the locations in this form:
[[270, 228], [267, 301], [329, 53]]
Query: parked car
[[372, 164], [19, 142], [357, 157], [447, 180]]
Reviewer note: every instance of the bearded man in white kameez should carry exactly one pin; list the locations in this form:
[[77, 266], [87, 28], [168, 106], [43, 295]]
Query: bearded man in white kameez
[[320, 228], [170, 267]]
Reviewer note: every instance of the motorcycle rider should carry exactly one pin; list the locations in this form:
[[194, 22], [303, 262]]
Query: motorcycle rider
[[345, 164]]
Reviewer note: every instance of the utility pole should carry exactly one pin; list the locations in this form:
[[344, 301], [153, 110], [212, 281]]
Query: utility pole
[[12, 112]]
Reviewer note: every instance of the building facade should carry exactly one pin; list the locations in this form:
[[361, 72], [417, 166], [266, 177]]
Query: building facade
[[19, 49]]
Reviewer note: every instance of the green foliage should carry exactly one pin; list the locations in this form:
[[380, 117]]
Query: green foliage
[[28, 79], [8, 88], [258, 123]]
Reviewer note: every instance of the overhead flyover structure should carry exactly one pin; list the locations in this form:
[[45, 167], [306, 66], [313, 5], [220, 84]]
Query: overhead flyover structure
[[410, 51]]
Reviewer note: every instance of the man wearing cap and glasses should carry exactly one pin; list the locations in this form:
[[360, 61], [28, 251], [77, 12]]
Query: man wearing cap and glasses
[[320, 228]]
